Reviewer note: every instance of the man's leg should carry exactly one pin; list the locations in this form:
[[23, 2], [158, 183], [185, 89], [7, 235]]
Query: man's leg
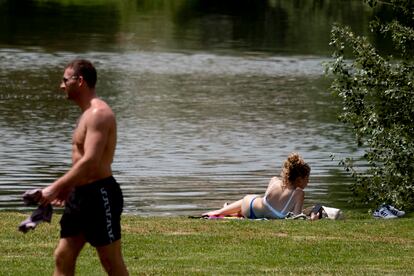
[[66, 254], [111, 258]]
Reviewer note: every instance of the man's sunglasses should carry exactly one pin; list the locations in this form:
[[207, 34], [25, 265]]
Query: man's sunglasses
[[66, 79]]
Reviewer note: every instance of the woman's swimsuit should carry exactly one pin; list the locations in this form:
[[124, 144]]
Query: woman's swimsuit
[[277, 214], [251, 213]]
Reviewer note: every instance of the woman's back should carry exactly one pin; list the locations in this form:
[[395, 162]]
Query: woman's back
[[278, 200]]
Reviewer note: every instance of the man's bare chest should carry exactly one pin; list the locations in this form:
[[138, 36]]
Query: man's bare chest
[[79, 134]]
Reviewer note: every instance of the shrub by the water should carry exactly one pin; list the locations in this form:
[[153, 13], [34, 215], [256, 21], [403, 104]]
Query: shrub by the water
[[377, 94]]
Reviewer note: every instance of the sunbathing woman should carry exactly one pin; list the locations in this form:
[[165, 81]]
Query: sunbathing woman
[[283, 195]]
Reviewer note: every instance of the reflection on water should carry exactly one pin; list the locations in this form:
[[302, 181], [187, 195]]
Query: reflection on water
[[187, 141], [171, 63], [284, 27], [209, 100]]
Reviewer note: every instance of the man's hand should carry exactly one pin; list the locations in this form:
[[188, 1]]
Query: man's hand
[[48, 195], [54, 197]]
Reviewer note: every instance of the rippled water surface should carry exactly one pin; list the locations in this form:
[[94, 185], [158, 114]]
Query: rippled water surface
[[203, 117]]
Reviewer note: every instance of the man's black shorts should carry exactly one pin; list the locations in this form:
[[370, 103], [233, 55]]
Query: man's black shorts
[[94, 210]]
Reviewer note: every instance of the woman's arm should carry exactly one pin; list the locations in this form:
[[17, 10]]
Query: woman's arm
[[299, 199]]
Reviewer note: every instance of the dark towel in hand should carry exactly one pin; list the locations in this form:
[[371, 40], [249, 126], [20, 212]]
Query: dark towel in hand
[[32, 197], [41, 214]]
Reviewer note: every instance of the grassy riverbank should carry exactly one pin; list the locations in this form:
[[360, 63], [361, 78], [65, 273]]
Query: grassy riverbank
[[153, 246]]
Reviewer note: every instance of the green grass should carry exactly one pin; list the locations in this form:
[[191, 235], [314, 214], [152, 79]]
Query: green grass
[[183, 246]]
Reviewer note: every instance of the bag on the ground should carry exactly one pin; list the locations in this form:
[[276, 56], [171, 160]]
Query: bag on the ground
[[332, 213], [324, 212]]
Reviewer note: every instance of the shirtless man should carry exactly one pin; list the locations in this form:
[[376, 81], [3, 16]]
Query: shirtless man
[[92, 198]]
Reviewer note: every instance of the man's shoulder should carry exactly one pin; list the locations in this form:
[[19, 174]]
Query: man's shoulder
[[99, 112], [101, 108]]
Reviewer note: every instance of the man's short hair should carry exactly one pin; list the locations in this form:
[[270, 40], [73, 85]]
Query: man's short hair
[[84, 68]]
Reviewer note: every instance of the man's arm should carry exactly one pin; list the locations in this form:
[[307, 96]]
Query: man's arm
[[97, 131]]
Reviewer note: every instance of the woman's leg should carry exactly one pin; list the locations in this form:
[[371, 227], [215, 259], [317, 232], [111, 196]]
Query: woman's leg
[[231, 209], [247, 201]]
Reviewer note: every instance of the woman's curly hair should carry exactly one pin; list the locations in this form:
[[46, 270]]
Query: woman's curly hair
[[293, 168]]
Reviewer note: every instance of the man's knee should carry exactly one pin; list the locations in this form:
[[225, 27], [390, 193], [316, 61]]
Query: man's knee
[[67, 252], [64, 257], [107, 263], [111, 259], [113, 266]]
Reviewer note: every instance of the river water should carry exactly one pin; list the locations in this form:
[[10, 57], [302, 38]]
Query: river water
[[210, 97]]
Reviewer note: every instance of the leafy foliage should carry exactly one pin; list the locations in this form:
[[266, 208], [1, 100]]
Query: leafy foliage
[[377, 94]]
